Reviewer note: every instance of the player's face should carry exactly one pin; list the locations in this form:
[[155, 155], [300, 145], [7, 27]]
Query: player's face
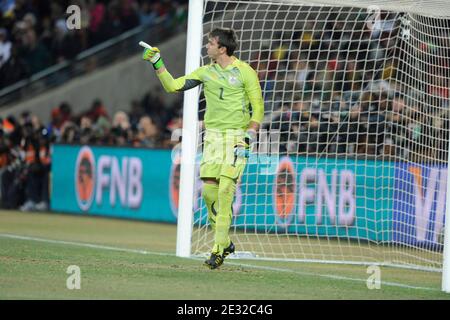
[[212, 48]]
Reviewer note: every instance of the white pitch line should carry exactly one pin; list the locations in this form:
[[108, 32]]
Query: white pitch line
[[83, 244], [387, 283], [103, 247]]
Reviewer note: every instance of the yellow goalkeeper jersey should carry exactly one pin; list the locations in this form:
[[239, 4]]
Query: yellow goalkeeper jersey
[[233, 94]]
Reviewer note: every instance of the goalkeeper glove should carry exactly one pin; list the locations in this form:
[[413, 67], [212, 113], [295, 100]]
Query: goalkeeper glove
[[153, 55], [243, 148]]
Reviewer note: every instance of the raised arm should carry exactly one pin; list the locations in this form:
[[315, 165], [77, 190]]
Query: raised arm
[[168, 82], [179, 84]]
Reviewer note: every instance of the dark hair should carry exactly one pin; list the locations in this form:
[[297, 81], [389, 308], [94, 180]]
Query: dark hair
[[225, 38]]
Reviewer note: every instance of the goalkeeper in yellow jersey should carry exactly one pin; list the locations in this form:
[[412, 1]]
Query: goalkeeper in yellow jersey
[[230, 86]]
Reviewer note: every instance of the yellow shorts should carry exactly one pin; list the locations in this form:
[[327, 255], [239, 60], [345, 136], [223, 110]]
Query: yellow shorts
[[218, 157]]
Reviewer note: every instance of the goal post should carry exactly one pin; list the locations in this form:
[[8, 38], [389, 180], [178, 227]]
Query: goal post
[[446, 253], [189, 134], [351, 164]]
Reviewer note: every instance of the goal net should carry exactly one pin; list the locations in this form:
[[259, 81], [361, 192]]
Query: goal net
[[351, 160]]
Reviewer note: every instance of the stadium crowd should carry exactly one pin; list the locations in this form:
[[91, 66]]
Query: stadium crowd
[[34, 34], [340, 89]]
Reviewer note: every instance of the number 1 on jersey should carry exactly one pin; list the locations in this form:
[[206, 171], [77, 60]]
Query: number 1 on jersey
[[221, 94]]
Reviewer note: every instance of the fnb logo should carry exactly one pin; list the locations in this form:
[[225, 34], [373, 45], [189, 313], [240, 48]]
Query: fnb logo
[[85, 178], [121, 177], [430, 185], [284, 192], [315, 194]]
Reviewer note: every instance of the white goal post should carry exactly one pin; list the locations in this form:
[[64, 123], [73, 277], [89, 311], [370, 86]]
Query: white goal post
[[351, 164]]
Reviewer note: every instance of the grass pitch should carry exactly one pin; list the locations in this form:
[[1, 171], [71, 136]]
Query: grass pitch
[[122, 259]]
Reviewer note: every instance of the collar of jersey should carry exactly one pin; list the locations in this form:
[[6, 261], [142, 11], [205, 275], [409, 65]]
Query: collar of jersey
[[231, 65]]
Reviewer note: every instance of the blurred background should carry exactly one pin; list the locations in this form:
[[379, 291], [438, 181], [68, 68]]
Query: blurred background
[[83, 86]]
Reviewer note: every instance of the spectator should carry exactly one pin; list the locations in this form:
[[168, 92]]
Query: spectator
[[37, 29], [136, 112], [128, 14], [97, 110], [148, 132], [121, 121], [86, 130], [102, 130], [13, 70], [111, 26], [5, 47], [147, 16], [37, 161], [12, 178], [173, 130], [121, 129], [66, 44], [298, 73], [70, 133], [35, 54]]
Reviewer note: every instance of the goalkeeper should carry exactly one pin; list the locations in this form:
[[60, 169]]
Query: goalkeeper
[[231, 86]]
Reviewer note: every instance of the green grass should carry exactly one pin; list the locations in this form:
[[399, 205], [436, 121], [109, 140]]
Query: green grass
[[36, 269]]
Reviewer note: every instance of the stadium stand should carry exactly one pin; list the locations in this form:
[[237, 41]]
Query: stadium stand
[[34, 34]]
